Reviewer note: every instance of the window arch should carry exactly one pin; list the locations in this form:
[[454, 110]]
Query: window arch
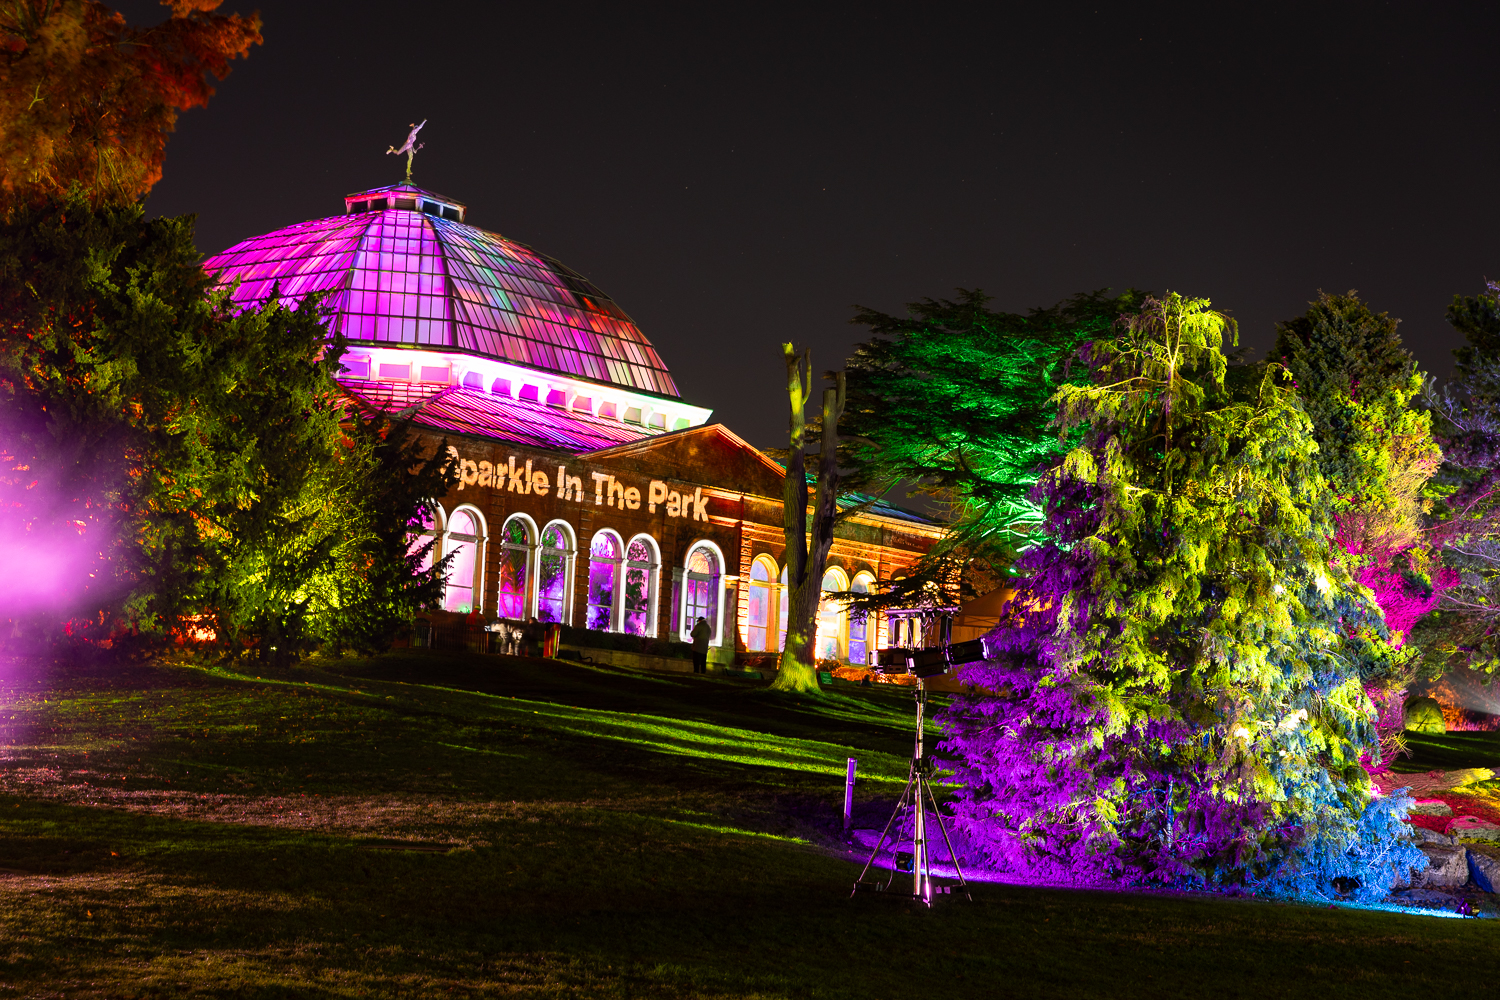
[[606, 552], [638, 596], [703, 589], [464, 539], [832, 616], [517, 542], [859, 628], [554, 576], [763, 608]]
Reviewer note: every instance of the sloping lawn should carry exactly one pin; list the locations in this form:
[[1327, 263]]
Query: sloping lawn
[[427, 825]]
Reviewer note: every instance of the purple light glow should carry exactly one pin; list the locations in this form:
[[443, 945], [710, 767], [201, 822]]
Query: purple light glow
[[407, 277], [604, 567], [552, 578]]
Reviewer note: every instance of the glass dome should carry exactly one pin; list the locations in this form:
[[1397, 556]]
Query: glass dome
[[401, 268]]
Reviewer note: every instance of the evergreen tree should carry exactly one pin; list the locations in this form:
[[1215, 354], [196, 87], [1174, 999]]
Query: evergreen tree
[[952, 400], [1358, 386], [167, 459], [1178, 696], [1464, 631]]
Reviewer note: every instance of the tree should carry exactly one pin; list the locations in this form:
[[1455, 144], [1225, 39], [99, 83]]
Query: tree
[[87, 100], [952, 401], [1359, 386], [1464, 631], [170, 460], [1179, 695], [806, 558]]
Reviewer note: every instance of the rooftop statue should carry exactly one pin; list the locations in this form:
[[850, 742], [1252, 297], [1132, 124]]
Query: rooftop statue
[[409, 148]]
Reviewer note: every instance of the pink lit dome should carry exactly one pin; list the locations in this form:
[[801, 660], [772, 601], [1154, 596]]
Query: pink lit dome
[[403, 270]]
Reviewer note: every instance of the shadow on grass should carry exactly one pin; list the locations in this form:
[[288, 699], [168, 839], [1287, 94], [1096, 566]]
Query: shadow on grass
[[618, 835]]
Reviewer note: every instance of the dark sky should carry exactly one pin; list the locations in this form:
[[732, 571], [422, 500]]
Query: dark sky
[[734, 180]]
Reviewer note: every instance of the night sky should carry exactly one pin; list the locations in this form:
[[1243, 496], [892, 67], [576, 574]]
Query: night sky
[[734, 180]]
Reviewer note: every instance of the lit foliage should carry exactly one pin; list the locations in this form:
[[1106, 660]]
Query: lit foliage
[[953, 400], [86, 99], [1375, 448], [1179, 694], [1464, 631], [185, 455]]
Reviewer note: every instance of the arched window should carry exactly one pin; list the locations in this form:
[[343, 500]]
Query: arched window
[[859, 628], [762, 616], [781, 612], [831, 617], [642, 569], [465, 540], [517, 539], [554, 578], [604, 574], [703, 589]]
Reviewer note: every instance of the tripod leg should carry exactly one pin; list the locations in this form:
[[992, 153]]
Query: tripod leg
[[952, 854], [900, 804]]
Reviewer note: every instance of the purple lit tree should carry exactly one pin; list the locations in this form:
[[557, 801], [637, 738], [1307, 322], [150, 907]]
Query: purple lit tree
[[1178, 696]]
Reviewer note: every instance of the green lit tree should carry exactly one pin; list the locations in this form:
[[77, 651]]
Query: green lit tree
[[953, 401]]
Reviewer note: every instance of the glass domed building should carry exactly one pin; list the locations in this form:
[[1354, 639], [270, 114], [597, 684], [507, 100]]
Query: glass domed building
[[590, 493]]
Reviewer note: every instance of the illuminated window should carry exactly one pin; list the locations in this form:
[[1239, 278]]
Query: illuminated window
[[703, 589], [762, 614], [604, 574], [554, 580], [465, 540], [516, 542], [859, 628], [831, 617], [642, 568]]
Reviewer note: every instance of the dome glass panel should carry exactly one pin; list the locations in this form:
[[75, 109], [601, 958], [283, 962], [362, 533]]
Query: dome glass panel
[[406, 277]]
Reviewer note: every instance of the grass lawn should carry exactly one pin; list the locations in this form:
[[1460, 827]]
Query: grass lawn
[[434, 825]]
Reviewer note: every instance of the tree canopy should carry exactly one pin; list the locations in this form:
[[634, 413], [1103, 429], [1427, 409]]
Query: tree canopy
[[953, 401], [87, 100], [1179, 695]]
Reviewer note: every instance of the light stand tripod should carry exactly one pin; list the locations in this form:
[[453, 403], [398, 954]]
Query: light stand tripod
[[917, 785]]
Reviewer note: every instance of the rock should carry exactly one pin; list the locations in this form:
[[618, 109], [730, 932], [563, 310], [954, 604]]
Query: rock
[[1432, 807], [1484, 870], [1426, 836], [1447, 867], [1423, 715], [1473, 828]]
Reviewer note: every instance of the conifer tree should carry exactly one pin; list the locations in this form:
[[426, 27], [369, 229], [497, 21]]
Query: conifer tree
[[1359, 387], [952, 401], [1178, 696], [1464, 631]]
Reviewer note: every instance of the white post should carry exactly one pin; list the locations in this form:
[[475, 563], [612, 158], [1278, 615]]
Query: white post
[[849, 793]]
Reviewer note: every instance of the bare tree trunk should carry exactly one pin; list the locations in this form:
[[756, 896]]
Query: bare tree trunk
[[805, 562]]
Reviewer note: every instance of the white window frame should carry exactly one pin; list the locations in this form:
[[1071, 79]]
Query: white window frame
[[616, 598], [686, 630], [570, 568], [653, 585], [528, 601], [481, 542]]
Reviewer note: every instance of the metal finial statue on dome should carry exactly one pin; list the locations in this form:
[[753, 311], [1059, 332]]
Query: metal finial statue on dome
[[410, 148]]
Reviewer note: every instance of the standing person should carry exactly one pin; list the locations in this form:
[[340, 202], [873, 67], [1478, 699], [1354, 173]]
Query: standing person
[[533, 631], [701, 633]]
